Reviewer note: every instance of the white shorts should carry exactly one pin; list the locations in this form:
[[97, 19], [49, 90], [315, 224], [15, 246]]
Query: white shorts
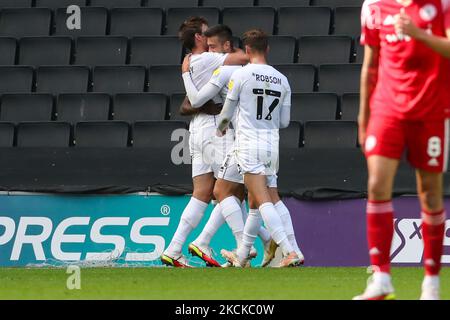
[[208, 151], [232, 170], [229, 171]]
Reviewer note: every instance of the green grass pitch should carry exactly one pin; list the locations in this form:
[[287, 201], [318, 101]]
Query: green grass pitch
[[202, 283]]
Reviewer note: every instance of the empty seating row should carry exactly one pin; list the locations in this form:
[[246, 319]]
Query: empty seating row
[[176, 3], [87, 107], [75, 79], [134, 107], [112, 50], [158, 134], [89, 134], [160, 79], [157, 50], [293, 21], [320, 134]]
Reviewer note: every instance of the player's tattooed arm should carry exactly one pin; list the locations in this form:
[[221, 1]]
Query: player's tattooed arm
[[405, 25], [225, 116], [369, 79], [237, 58]]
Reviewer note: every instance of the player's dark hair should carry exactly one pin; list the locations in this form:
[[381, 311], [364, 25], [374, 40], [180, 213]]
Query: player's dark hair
[[256, 39], [189, 29], [222, 31]]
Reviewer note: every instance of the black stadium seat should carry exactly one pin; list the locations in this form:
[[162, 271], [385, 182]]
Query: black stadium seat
[[282, 49], [36, 51], [133, 107], [26, 107], [101, 51], [337, 3], [350, 106], [77, 107], [131, 22], [283, 3], [174, 107], [54, 4], [119, 79], [243, 19], [25, 22], [166, 4], [43, 134], [101, 134], [155, 50], [8, 47], [165, 79], [16, 79], [6, 135], [290, 136], [116, 3], [314, 106], [62, 79], [227, 3], [330, 134], [301, 77], [339, 78], [176, 16], [324, 49], [15, 3], [304, 21], [347, 21], [155, 134], [93, 24]]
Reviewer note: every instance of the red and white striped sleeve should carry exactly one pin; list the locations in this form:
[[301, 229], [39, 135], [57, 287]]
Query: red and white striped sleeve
[[370, 24]]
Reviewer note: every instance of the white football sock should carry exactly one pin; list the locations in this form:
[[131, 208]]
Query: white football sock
[[273, 223], [232, 212], [191, 217], [432, 281], [244, 211], [286, 219], [215, 221], [263, 234], [382, 277], [252, 226]]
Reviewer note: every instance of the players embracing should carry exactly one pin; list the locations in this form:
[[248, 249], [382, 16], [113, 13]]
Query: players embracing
[[216, 158], [404, 106]]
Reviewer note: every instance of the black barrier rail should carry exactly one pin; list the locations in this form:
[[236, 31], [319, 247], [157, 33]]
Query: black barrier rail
[[306, 174]]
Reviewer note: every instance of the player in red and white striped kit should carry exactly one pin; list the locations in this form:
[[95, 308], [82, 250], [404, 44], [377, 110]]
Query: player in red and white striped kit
[[404, 107]]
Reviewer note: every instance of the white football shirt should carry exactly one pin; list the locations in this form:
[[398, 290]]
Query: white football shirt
[[221, 77], [261, 92], [202, 67]]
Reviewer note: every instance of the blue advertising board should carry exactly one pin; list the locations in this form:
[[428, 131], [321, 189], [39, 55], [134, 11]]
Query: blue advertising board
[[94, 230]]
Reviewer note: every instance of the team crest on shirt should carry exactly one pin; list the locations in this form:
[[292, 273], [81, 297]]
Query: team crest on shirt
[[428, 12], [231, 85], [216, 72]]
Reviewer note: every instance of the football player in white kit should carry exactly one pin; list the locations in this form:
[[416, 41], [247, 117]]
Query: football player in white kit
[[229, 190], [202, 128], [229, 185], [262, 97]]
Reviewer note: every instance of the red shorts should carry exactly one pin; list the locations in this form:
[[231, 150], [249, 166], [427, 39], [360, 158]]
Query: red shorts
[[426, 142]]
